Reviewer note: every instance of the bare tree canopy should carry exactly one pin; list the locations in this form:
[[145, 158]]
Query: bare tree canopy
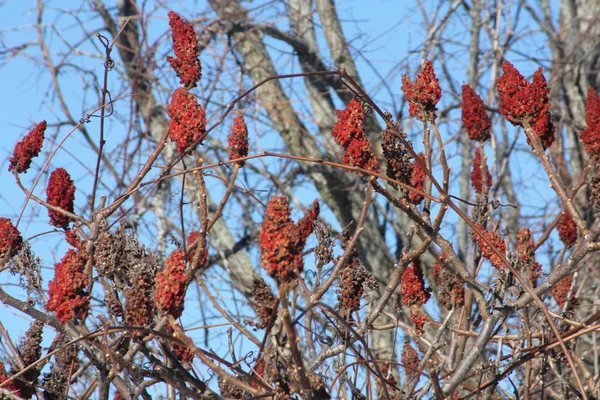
[[255, 199]]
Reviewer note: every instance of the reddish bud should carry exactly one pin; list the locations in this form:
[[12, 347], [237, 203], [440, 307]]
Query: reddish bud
[[417, 180], [193, 237], [10, 238], [486, 251], [413, 286], [522, 101], [188, 120], [567, 232], [72, 238], [61, 193], [278, 253], [257, 373], [516, 103], [171, 285], [238, 139], [591, 135], [27, 149], [281, 241], [349, 134], [306, 224], [591, 140], [184, 354], [410, 360], [67, 292], [185, 63], [474, 118], [543, 127], [592, 107], [476, 175], [139, 303], [423, 94], [560, 292], [11, 386]]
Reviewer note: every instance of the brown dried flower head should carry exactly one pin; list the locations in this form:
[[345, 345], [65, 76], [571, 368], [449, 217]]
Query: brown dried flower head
[[229, 390], [324, 249], [58, 379], [141, 268], [525, 247], [450, 287], [352, 281], [30, 351], [399, 166], [595, 189], [110, 252], [262, 301]]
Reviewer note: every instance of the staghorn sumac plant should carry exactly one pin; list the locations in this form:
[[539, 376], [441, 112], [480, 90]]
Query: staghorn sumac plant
[[240, 212]]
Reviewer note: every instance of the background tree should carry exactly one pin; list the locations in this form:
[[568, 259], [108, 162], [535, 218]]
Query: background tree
[[432, 230]]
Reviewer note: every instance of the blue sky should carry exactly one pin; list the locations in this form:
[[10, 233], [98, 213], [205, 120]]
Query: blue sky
[[386, 31], [27, 98]]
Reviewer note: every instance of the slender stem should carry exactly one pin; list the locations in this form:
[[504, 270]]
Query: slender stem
[[225, 198], [315, 297], [557, 185]]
